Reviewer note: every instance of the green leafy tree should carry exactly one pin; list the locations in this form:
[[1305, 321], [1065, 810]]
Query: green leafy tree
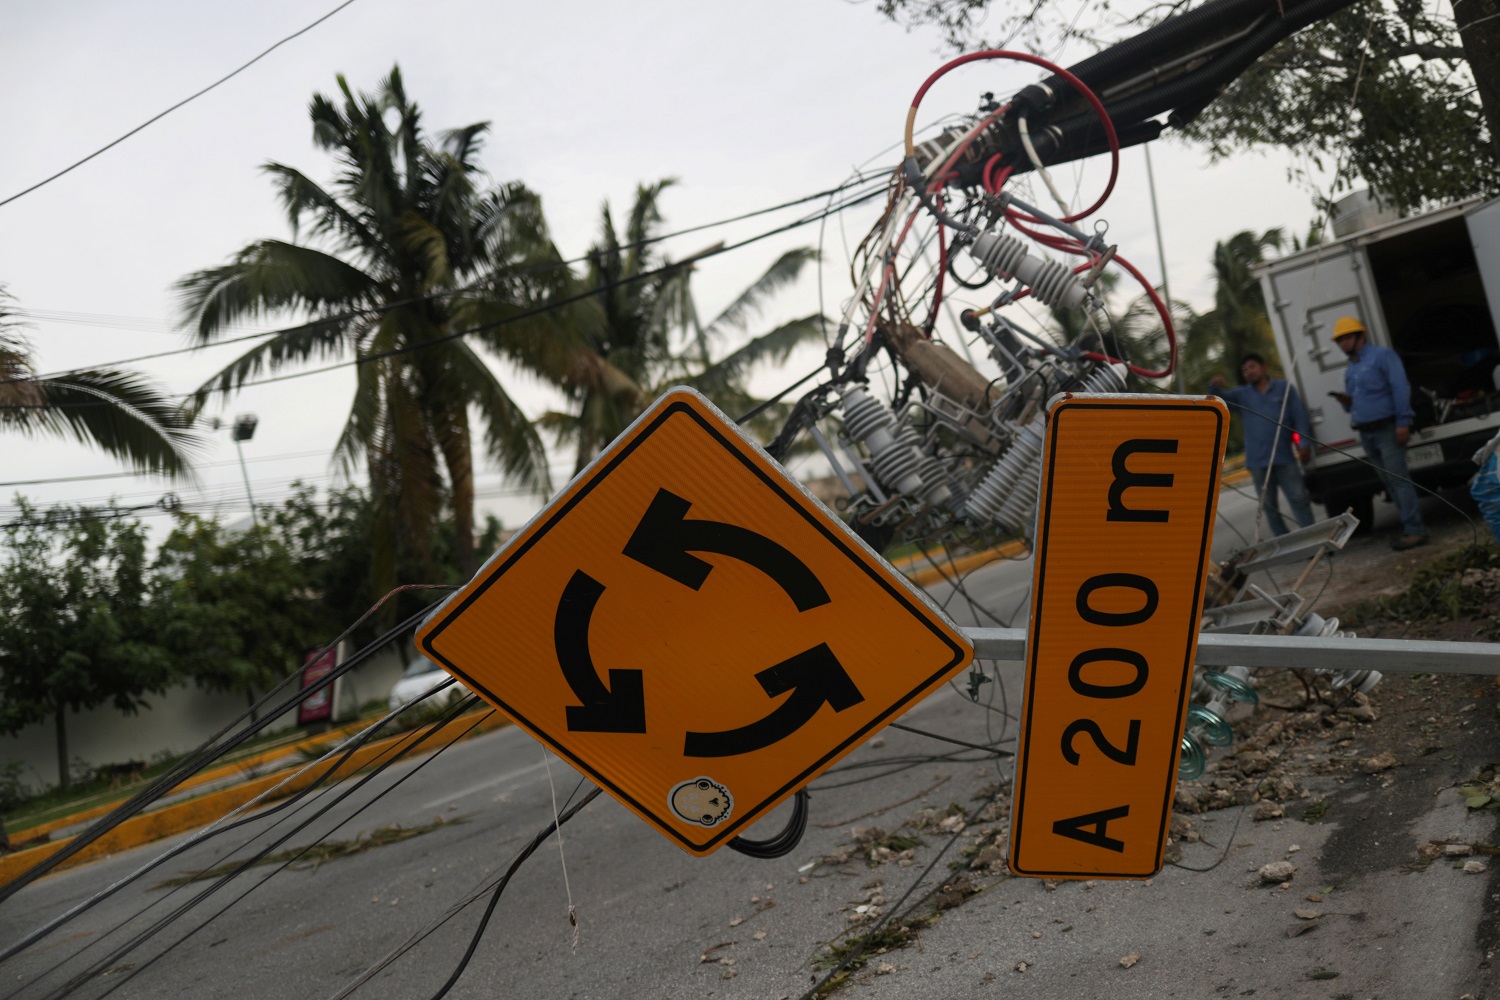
[[78, 626], [113, 409], [240, 617], [327, 537], [408, 246], [1403, 94], [644, 333]]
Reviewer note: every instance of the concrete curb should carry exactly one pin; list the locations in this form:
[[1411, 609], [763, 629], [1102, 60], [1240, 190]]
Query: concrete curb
[[930, 574], [239, 765], [182, 816]]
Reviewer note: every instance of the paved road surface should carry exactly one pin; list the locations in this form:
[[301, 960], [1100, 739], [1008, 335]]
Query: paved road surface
[[648, 914]]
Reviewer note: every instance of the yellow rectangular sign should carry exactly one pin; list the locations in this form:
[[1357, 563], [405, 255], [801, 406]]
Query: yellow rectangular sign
[[1129, 489]]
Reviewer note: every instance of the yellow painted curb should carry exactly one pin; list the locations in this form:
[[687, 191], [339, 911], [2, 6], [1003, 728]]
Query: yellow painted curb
[[240, 764], [930, 574], [204, 809]]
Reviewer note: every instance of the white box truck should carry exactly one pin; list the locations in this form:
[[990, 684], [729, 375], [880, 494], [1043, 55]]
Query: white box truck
[[1427, 287]]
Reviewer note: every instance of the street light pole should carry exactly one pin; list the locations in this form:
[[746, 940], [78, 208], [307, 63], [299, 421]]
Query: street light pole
[[244, 430], [1161, 252]]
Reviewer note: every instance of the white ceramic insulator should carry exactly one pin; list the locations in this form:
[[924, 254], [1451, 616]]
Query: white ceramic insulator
[[1007, 495], [1110, 378], [1363, 681], [1006, 257], [893, 455], [934, 475]]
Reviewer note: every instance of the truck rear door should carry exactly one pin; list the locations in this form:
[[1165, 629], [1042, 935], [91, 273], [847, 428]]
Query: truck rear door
[[1307, 297]]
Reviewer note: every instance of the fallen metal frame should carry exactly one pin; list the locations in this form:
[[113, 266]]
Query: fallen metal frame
[[1412, 656]]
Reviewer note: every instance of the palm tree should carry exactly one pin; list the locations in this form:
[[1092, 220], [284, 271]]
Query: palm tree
[[1209, 343], [644, 333], [409, 246], [1237, 325], [117, 410]]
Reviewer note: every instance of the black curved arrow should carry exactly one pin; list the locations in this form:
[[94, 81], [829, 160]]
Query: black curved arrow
[[813, 676], [665, 536], [620, 708]]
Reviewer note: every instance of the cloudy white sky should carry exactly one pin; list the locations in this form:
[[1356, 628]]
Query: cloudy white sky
[[747, 104]]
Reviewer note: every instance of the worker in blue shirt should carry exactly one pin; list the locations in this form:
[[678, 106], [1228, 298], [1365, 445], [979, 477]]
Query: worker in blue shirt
[[1270, 411], [1378, 398]]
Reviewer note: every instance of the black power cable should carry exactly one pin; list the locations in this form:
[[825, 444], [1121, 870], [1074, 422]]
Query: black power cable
[[783, 843], [526, 852], [455, 710], [206, 754], [829, 210], [206, 834], [296, 799], [186, 100], [865, 942]]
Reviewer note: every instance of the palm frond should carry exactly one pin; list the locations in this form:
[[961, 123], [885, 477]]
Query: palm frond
[[645, 217], [319, 340], [362, 427], [301, 196], [787, 268], [120, 412], [428, 244], [510, 437], [768, 348], [270, 276], [546, 343]]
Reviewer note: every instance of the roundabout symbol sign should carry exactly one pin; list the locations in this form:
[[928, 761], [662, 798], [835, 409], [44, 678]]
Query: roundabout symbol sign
[[692, 629]]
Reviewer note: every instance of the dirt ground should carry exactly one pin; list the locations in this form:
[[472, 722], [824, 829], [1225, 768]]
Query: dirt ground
[[1303, 726], [1373, 764]]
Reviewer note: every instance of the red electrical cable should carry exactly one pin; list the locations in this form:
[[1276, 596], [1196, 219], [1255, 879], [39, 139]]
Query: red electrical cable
[[994, 180], [1166, 320], [1077, 84]]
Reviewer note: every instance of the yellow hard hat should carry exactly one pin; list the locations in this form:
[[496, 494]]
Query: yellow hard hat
[[1347, 325]]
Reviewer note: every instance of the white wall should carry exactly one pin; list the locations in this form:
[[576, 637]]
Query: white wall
[[176, 722]]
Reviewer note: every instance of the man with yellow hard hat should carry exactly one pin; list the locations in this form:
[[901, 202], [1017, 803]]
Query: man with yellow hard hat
[[1378, 398]]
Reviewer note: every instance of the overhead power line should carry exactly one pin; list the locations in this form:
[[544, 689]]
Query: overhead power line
[[523, 273], [128, 475], [186, 100], [525, 314]]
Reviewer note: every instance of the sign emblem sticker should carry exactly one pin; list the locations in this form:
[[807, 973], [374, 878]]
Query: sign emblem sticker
[[689, 627], [702, 800]]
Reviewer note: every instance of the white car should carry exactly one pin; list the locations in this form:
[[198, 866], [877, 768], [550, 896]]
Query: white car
[[422, 675]]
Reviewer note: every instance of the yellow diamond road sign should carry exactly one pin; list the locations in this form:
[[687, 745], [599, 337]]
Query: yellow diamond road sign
[[692, 629]]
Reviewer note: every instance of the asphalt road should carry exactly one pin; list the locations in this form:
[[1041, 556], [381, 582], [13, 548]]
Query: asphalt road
[[652, 921]]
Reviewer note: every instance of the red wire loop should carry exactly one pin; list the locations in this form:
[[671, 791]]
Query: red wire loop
[[994, 176], [1082, 88]]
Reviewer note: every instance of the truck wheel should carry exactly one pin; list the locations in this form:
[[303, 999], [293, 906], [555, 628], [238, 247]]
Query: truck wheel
[[1361, 505]]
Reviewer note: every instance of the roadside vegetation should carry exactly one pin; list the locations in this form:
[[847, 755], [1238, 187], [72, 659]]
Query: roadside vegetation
[[313, 856], [1461, 586], [93, 617]]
